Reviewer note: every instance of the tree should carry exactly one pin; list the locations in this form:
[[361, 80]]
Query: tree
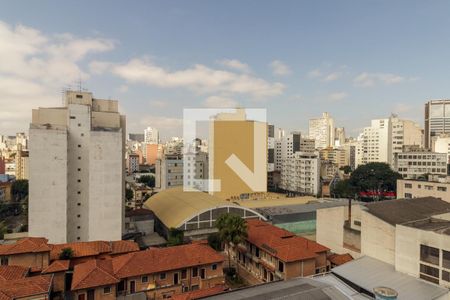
[[148, 180], [232, 231], [343, 189], [176, 237], [129, 194], [19, 189], [376, 177], [66, 253], [214, 241], [346, 169]]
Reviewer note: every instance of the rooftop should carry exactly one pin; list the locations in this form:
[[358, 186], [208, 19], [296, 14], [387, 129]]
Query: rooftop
[[369, 273], [12, 272], [108, 271], [401, 211], [25, 287], [431, 224], [281, 243], [83, 249], [26, 245], [300, 208], [299, 288]]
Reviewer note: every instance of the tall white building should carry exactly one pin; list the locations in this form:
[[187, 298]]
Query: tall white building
[[301, 173], [151, 135], [76, 170], [437, 120], [322, 130], [405, 133]]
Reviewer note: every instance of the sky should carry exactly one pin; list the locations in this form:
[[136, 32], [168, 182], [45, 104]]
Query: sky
[[358, 60]]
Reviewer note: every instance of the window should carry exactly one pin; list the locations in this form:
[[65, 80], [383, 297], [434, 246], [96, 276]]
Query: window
[[79, 124], [82, 296], [78, 216], [78, 227], [78, 238], [442, 188], [257, 251], [79, 157], [4, 260], [429, 273], [280, 266], [78, 192], [106, 290], [72, 117], [162, 276], [79, 146], [78, 203], [408, 195], [144, 278], [214, 267], [446, 259], [176, 278], [183, 274], [408, 185], [79, 169], [194, 272], [429, 255], [79, 96], [82, 134], [445, 276], [79, 180], [202, 273]]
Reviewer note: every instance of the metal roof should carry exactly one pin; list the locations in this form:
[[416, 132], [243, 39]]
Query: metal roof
[[175, 206], [368, 273], [298, 288]]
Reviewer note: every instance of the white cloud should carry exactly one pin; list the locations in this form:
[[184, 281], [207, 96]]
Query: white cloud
[[280, 68], [198, 78], [337, 96], [332, 76], [324, 76], [235, 64], [366, 79], [34, 67], [220, 102]]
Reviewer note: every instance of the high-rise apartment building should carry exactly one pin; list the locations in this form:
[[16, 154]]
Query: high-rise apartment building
[[377, 142], [322, 130], [169, 171], [301, 173], [437, 120], [339, 136], [77, 163], [22, 163], [151, 135], [405, 133]]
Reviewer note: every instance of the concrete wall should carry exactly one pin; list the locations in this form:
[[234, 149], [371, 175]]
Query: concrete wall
[[422, 189], [105, 185], [377, 238], [48, 184], [330, 228]]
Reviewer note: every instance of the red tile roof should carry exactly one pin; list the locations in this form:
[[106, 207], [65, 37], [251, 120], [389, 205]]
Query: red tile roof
[[281, 243], [93, 273], [84, 249], [109, 271], [340, 259], [12, 272], [25, 287], [26, 245], [57, 266], [164, 259], [218, 289]]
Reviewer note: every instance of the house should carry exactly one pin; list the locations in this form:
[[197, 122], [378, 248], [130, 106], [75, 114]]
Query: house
[[271, 253], [159, 273], [16, 284]]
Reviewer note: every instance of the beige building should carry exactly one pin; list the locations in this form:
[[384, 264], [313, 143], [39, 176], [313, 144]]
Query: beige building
[[335, 155], [169, 171], [322, 131], [434, 187], [77, 163], [414, 163], [22, 163]]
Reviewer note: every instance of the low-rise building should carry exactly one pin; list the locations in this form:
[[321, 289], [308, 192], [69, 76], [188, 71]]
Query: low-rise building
[[17, 284], [156, 273], [415, 163], [434, 187], [271, 253]]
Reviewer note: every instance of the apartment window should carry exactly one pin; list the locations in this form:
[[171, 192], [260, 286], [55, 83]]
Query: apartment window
[[79, 169], [429, 273], [144, 278], [78, 192], [442, 188], [79, 124], [78, 227], [408, 195], [78, 238], [79, 157], [78, 203], [194, 272], [79, 180], [72, 117], [82, 134], [4, 260], [78, 216], [107, 290], [79, 96], [280, 266], [445, 276], [408, 185], [79, 146], [446, 259], [429, 255], [183, 274], [214, 267], [162, 276]]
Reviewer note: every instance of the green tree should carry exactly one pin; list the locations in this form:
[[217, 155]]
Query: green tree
[[214, 241], [19, 189], [129, 194], [3, 230], [343, 189], [66, 253], [346, 169], [232, 231], [148, 180], [377, 177], [176, 237]]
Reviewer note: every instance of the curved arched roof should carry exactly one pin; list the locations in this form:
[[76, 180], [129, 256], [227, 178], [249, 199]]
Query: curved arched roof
[[174, 207]]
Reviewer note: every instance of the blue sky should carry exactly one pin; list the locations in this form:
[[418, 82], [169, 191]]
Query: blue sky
[[357, 60]]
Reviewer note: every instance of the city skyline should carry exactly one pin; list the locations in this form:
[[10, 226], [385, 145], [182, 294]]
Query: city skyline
[[297, 64]]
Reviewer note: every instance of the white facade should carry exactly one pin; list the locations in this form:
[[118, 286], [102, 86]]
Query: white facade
[[437, 120], [77, 170], [151, 135], [404, 133], [442, 145], [322, 130], [301, 173], [377, 141], [414, 164]]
